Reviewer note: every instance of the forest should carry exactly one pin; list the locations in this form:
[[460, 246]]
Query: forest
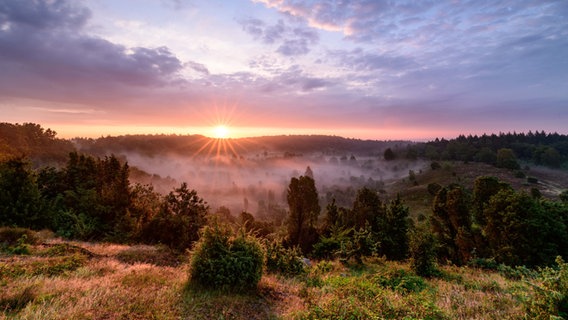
[[82, 192]]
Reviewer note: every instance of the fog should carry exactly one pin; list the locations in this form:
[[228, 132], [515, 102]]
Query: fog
[[257, 183]]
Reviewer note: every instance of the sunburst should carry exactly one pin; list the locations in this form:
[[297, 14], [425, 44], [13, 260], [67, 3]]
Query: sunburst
[[221, 132]]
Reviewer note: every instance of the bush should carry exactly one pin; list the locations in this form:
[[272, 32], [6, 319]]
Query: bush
[[227, 262], [326, 248], [433, 188], [286, 261], [564, 196], [532, 180], [519, 174], [12, 236], [550, 300], [17, 240], [423, 252], [400, 280]]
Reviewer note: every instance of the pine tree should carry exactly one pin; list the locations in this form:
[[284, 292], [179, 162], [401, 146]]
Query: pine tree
[[304, 208]]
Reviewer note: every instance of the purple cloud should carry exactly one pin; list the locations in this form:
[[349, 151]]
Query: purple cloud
[[41, 44], [291, 41]]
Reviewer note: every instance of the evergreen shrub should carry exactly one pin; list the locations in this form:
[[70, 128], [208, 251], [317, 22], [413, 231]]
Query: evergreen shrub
[[222, 260]]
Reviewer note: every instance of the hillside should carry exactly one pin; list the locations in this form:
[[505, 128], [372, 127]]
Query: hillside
[[72, 280], [550, 182]]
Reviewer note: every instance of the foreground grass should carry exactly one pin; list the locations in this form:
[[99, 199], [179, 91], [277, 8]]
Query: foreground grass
[[72, 280]]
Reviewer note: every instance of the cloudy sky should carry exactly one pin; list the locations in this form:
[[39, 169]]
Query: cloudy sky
[[364, 69]]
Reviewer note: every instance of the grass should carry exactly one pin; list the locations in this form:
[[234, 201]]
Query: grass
[[79, 280], [551, 182]]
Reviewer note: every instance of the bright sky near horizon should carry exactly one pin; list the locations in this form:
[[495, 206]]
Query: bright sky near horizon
[[372, 69]]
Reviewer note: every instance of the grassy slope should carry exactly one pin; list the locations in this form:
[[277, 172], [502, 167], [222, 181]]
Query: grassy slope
[[73, 280], [550, 182]]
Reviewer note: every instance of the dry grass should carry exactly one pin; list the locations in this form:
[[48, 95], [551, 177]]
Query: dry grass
[[103, 285]]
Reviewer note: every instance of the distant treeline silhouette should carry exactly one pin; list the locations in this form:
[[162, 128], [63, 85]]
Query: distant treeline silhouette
[[548, 149]]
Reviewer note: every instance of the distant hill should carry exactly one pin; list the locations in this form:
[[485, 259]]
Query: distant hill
[[30, 140], [191, 145]]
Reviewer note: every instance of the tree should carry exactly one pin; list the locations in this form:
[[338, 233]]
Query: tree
[[181, 215], [522, 230], [304, 208], [451, 224], [506, 159], [389, 154], [551, 158], [367, 208], [484, 187], [309, 173], [144, 207], [20, 201], [332, 215], [394, 240], [422, 247]]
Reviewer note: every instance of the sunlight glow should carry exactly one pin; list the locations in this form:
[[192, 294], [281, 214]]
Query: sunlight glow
[[221, 132]]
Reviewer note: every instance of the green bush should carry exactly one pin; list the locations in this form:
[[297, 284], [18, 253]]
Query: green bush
[[550, 300], [286, 261], [422, 247], [326, 248], [401, 280], [224, 261], [17, 240]]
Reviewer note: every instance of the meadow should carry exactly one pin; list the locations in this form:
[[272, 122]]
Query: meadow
[[57, 279]]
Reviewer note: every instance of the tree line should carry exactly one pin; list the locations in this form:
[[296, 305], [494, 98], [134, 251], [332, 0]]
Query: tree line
[[502, 150], [31, 140]]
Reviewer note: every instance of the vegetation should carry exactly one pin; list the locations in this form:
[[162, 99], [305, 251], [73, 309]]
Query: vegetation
[[304, 211], [503, 150], [32, 141], [222, 260], [65, 280], [481, 240]]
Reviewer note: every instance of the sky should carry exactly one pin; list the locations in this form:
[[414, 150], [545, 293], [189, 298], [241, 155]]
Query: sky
[[369, 69]]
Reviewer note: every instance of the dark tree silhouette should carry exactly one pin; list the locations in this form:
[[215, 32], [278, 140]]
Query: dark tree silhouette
[[304, 210]]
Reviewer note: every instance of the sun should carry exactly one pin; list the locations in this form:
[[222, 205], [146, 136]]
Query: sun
[[221, 132]]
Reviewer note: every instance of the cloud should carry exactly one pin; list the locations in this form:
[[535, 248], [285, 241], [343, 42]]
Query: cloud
[[197, 67], [45, 53], [291, 41], [42, 14], [360, 60], [365, 64]]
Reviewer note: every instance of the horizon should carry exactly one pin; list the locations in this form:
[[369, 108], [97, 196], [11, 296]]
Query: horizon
[[210, 133], [355, 69]]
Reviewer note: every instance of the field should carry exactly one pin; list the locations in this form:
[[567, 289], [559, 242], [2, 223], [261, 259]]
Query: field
[[78, 280]]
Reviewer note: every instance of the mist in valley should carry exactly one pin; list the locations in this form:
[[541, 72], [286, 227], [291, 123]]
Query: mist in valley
[[258, 182]]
